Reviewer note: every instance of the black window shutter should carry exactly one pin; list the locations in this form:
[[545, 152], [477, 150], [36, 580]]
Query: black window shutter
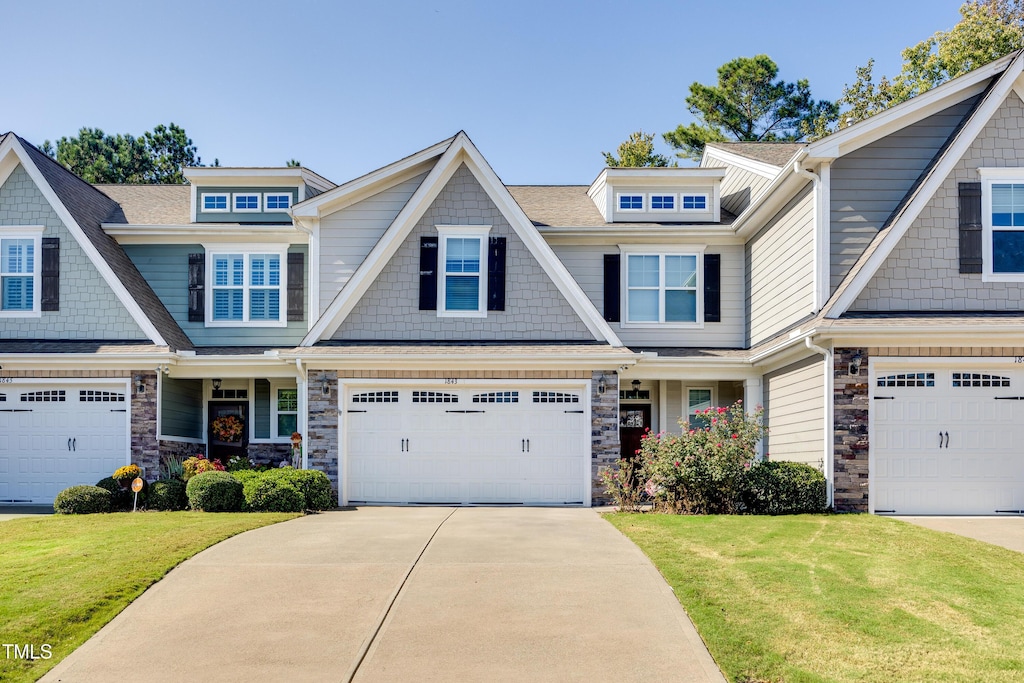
[[496, 274], [970, 227], [712, 288], [612, 276], [428, 273], [196, 288], [50, 292], [296, 262]]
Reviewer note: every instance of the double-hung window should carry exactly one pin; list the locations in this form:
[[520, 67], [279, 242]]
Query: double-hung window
[[462, 285], [1003, 223], [286, 412], [246, 288], [19, 273], [662, 288]]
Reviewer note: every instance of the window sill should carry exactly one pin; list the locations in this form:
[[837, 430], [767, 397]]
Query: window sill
[[239, 323], [462, 314], [667, 325], [21, 314]]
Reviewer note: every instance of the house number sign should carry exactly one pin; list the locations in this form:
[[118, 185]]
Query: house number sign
[[451, 380], [1018, 359]]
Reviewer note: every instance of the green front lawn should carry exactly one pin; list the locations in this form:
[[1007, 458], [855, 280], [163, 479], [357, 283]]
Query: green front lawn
[[64, 577], [841, 598]]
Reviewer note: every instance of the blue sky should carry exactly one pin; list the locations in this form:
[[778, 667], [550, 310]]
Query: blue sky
[[541, 87]]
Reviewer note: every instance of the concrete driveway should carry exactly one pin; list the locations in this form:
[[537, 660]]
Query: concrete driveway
[[394, 594], [1005, 531]]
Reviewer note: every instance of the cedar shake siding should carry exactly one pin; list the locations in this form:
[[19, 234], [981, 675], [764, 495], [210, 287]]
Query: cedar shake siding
[[923, 272]]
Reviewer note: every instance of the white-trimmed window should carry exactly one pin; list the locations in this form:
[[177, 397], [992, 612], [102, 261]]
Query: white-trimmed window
[[693, 202], [277, 201], [663, 288], [663, 202], [246, 288], [246, 202], [284, 408], [1002, 219], [20, 262], [698, 399], [462, 285], [214, 202], [630, 201]]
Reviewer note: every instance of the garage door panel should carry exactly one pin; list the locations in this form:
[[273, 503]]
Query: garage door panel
[[477, 445]]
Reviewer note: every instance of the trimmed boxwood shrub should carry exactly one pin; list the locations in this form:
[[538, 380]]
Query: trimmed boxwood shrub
[[82, 500], [167, 494], [313, 484], [214, 492], [266, 494], [784, 488], [245, 476]]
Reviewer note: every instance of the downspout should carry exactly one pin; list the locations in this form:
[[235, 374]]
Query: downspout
[[303, 425], [828, 445], [818, 227]]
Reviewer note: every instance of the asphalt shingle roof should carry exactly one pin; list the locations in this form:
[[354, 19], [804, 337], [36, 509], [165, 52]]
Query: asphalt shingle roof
[[774, 153], [569, 206], [151, 204]]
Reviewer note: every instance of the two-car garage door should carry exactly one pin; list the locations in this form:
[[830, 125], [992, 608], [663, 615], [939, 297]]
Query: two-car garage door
[[465, 445], [947, 440], [59, 434]]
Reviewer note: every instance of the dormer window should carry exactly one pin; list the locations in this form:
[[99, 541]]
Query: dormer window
[[247, 202], [631, 202], [663, 202], [695, 202], [277, 202], [215, 202]]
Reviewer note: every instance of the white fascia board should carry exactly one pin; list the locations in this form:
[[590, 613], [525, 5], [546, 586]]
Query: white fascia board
[[527, 232], [726, 369], [906, 113], [964, 139], [208, 232], [600, 236], [375, 181], [85, 361], [761, 168], [771, 200], [933, 334], [385, 248], [101, 265], [459, 360]]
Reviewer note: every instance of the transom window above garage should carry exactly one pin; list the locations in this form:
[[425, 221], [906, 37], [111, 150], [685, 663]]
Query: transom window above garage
[[93, 396], [555, 397], [376, 397], [978, 379], [908, 379], [434, 397], [497, 397], [45, 396]]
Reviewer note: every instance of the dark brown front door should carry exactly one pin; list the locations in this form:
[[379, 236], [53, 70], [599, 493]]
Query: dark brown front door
[[634, 421], [228, 429]]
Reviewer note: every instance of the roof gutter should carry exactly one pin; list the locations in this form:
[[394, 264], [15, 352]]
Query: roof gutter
[[769, 200]]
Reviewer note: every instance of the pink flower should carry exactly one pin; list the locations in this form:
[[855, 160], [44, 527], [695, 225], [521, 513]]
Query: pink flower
[[677, 463], [714, 420], [735, 436]]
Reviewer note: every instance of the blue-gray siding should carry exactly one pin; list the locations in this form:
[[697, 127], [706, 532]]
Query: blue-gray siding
[[181, 408], [165, 266], [868, 184]]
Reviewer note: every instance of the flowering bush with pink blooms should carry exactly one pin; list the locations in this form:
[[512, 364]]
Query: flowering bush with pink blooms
[[699, 471], [198, 464]]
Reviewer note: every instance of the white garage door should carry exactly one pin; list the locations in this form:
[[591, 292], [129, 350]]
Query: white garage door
[[948, 441], [56, 435], [431, 444]]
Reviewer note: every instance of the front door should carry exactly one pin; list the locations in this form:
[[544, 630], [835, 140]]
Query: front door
[[634, 422], [228, 429]]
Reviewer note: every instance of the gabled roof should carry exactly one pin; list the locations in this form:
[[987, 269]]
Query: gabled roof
[[460, 150], [370, 183], [923, 190], [774, 153], [83, 208]]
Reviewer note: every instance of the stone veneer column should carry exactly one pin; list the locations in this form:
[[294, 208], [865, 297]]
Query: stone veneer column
[[850, 429], [145, 447], [604, 411], [321, 441]]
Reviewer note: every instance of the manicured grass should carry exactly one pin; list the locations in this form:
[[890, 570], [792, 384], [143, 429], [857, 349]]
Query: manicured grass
[[64, 577], [841, 598]]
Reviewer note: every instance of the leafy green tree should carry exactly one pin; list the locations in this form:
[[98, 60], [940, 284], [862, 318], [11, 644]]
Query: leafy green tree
[[987, 30], [293, 163], [636, 151], [159, 156], [749, 103]]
